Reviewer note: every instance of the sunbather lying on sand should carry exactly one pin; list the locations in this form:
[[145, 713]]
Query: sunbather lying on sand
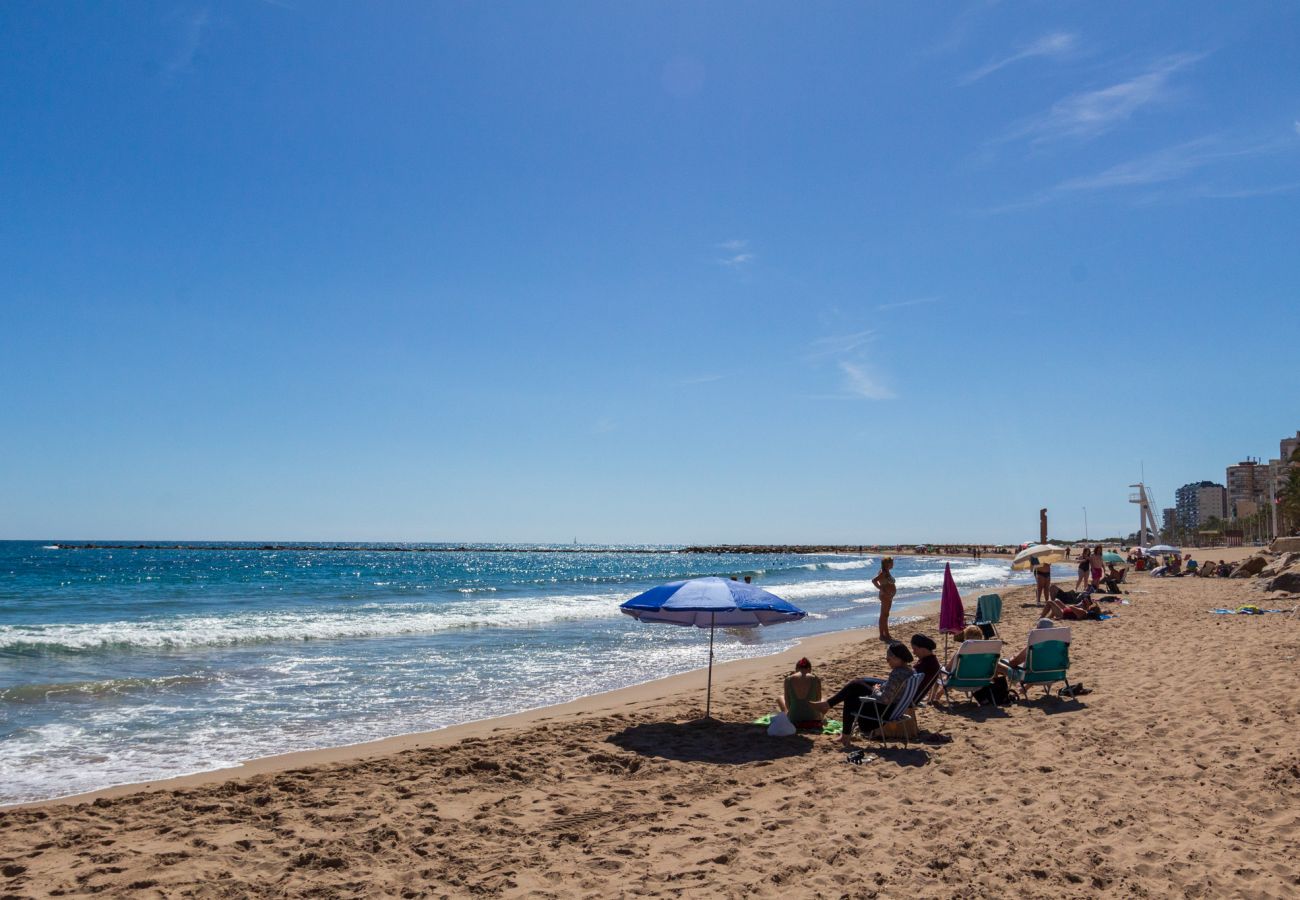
[[870, 697], [1070, 605]]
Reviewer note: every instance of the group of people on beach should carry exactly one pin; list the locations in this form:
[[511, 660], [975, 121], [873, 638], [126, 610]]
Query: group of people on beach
[[863, 698], [1177, 566], [1080, 602], [868, 700]]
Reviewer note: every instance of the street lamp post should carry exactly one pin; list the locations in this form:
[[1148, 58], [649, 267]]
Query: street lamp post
[[1272, 499], [1085, 523]]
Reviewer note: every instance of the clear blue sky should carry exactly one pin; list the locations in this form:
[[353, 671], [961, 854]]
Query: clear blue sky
[[641, 271]]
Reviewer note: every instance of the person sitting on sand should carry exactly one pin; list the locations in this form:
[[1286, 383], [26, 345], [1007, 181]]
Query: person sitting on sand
[[1018, 661], [923, 647], [1114, 578], [969, 633], [800, 692], [871, 697], [884, 582]]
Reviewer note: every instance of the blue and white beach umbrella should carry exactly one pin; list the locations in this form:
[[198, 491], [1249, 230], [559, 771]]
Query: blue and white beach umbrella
[[709, 603]]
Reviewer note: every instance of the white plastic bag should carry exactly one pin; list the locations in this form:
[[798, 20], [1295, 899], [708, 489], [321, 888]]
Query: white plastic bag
[[781, 726]]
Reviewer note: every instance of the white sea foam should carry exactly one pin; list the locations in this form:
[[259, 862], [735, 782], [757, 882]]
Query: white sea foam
[[930, 581], [392, 620], [850, 564], [835, 566]]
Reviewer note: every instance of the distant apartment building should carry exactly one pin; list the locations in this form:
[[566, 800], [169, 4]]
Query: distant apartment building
[[1199, 502], [1279, 470], [1289, 446], [1211, 502], [1169, 521], [1247, 486]]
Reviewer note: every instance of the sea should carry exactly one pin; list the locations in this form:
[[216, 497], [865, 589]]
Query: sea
[[130, 665]]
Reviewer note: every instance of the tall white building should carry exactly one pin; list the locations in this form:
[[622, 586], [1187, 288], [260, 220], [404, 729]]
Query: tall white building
[[1211, 502], [1247, 487]]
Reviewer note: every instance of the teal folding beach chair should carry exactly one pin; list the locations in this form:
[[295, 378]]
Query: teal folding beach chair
[[973, 667], [1047, 660], [988, 613]]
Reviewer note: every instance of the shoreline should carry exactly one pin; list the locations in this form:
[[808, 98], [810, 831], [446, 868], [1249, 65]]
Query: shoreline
[[608, 702], [629, 791]]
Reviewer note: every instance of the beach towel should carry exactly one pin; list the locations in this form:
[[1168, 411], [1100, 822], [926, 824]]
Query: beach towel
[[1247, 611], [831, 726]]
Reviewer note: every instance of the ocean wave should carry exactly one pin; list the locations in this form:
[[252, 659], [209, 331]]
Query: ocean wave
[[65, 690], [967, 575], [388, 621], [840, 565], [924, 583]]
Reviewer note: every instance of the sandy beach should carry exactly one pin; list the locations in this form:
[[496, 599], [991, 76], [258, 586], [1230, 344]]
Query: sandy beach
[[1178, 773]]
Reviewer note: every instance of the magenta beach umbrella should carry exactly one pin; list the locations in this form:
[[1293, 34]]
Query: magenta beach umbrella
[[952, 615]]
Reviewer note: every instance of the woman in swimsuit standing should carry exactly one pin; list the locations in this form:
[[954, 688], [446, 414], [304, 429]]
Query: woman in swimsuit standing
[[1085, 560], [884, 582]]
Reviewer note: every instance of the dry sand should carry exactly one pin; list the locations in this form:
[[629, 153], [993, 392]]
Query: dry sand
[[1178, 774]]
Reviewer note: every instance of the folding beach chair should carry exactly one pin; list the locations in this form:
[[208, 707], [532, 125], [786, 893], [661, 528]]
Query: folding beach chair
[[988, 613], [1046, 662], [896, 711], [973, 667]]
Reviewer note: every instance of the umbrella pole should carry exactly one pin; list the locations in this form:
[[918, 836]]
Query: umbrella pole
[[708, 691]]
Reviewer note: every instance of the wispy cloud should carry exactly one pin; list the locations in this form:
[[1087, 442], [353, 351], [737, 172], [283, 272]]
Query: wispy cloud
[[919, 301], [1087, 114], [736, 253], [1058, 44], [959, 29], [1170, 164], [859, 382], [191, 38], [699, 379], [1267, 190], [839, 344], [858, 379]]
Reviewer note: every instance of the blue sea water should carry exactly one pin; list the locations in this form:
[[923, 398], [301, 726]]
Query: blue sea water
[[122, 666]]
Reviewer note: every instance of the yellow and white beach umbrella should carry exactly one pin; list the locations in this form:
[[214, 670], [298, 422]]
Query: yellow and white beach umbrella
[[1045, 553]]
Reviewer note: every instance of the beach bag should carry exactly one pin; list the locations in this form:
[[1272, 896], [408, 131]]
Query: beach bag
[[781, 726], [998, 693]]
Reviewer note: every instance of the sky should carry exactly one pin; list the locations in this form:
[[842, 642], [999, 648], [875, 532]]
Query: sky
[[660, 272]]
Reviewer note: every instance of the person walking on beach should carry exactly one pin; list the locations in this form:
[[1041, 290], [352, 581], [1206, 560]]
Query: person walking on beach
[[884, 582], [1084, 560], [1096, 562]]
